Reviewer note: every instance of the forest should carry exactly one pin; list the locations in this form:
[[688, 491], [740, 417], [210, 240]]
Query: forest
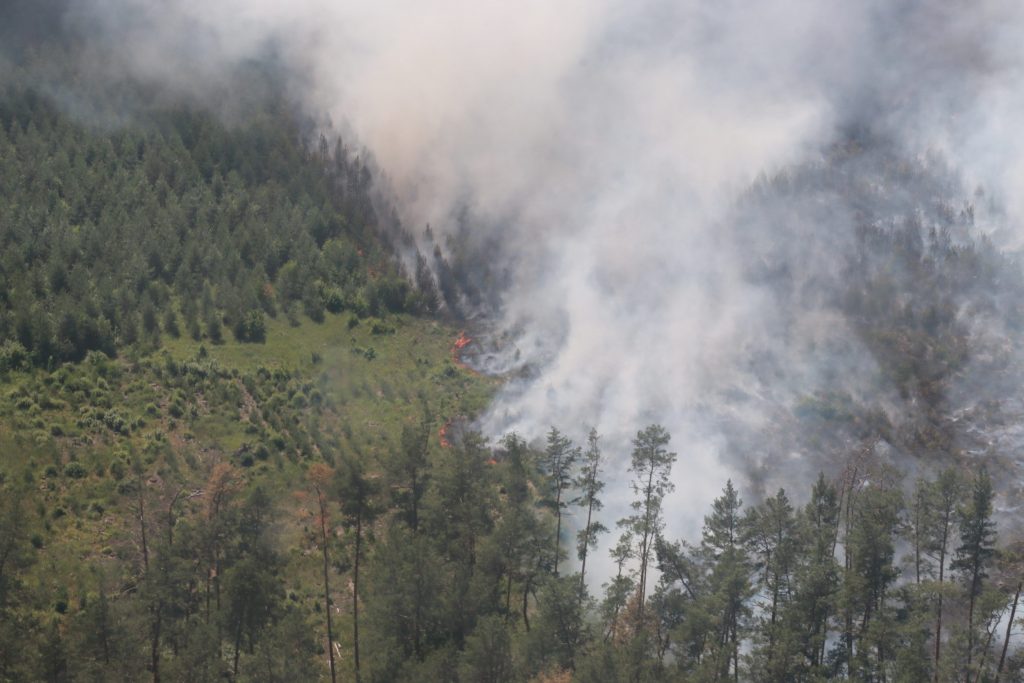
[[458, 565], [240, 433]]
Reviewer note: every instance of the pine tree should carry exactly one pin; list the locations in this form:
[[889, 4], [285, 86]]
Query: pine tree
[[457, 512], [590, 485], [408, 471], [558, 462], [320, 476], [816, 577], [772, 535], [618, 589], [651, 465], [729, 583], [866, 583], [941, 499], [977, 548], [357, 492], [520, 534]]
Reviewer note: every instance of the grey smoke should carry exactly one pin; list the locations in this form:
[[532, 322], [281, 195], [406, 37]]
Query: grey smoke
[[609, 145]]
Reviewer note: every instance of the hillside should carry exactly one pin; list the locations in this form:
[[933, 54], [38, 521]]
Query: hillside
[[255, 428], [184, 303]]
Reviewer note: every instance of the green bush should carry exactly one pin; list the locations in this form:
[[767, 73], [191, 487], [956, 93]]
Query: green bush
[[75, 470], [13, 356], [252, 327], [334, 300]]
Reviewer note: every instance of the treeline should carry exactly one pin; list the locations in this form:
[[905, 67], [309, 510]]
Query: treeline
[[452, 565], [180, 225], [864, 582]]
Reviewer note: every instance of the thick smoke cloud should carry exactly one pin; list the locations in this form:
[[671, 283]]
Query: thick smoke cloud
[[606, 145]]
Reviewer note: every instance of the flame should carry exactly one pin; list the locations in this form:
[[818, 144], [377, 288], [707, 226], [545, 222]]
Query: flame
[[460, 343]]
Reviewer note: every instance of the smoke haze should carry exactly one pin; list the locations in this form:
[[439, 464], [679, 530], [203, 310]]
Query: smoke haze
[[673, 188]]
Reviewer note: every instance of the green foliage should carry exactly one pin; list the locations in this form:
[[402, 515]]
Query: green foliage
[[75, 470], [651, 464], [196, 218], [252, 327]]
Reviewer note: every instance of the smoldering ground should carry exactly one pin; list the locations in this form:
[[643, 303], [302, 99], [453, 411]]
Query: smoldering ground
[[694, 204]]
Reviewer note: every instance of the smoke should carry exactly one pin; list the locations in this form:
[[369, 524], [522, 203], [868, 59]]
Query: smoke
[[675, 186]]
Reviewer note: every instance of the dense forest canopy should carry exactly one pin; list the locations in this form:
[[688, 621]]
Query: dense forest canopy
[[182, 226]]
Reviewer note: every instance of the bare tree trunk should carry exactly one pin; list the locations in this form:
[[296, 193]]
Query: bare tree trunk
[[142, 527], [586, 546], [990, 634], [970, 628], [238, 649], [526, 602], [327, 589], [558, 523], [216, 590], [355, 594], [154, 646], [938, 617], [1009, 629], [917, 540], [644, 543], [508, 594], [735, 654]]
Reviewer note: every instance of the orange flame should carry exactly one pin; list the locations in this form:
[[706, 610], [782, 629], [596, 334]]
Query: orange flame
[[462, 342]]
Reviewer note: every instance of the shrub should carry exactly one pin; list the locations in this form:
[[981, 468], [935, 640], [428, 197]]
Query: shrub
[[13, 356], [334, 300], [115, 422], [252, 327], [117, 469], [75, 470]]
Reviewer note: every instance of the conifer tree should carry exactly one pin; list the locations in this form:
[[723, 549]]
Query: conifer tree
[[772, 535], [558, 462], [320, 476], [408, 470], [729, 584], [817, 577], [942, 499], [357, 492], [651, 466], [590, 485], [977, 548]]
